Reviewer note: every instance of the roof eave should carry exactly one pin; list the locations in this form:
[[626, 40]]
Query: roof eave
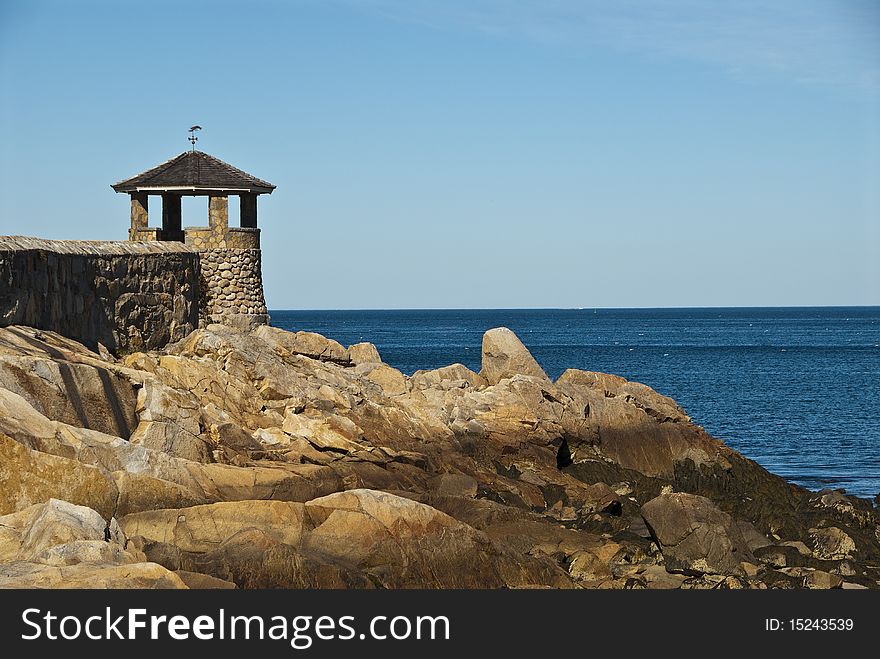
[[193, 189]]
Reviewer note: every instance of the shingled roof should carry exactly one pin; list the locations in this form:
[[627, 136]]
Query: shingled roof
[[197, 172]]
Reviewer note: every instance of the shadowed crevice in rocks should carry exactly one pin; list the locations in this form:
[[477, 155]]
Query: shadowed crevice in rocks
[[563, 455], [123, 424], [28, 338], [73, 394]]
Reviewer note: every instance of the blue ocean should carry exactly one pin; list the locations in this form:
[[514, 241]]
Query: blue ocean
[[793, 388]]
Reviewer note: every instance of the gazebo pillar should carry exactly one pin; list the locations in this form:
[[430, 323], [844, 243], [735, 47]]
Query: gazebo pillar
[[248, 210], [171, 217], [139, 212], [218, 212]]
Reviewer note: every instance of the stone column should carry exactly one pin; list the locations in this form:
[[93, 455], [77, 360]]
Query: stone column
[[248, 210], [218, 213], [171, 220], [139, 213]]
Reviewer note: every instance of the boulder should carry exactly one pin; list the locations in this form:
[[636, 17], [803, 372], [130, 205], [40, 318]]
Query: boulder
[[587, 568], [504, 356], [657, 406], [364, 353], [779, 556], [170, 438], [460, 485], [455, 376], [657, 578], [199, 581], [308, 344], [21, 574], [330, 432], [203, 528], [80, 395], [28, 477], [819, 579], [600, 498], [831, 543], [98, 552], [754, 538], [400, 542], [32, 530], [392, 381], [254, 558], [234, 437], [357, 538], [139, 492], [695, 536]]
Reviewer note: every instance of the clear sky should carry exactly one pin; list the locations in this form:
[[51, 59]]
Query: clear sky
[[473, 153]]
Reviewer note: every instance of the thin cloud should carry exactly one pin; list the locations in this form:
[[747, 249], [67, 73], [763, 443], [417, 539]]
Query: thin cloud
[[817, 42]]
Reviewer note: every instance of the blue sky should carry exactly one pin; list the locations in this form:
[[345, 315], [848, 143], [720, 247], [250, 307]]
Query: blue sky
[[483, 153]]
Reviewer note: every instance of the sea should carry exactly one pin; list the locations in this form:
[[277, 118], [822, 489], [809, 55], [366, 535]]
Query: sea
[[793, 388]]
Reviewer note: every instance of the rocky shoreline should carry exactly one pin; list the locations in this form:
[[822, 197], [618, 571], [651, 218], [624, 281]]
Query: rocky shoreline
[[271, 459]]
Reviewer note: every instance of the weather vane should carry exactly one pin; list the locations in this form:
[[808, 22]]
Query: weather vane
[[192, 136]]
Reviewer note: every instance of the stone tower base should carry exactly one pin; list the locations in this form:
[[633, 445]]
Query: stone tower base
[[232, 288]]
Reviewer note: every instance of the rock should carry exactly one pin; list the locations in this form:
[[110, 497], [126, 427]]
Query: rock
[[308, 344], [657, 406], [28, 477], [802, 549], [32, 530], [58, 533], [822, 580], [455, 376], [833, 499], [504, 356], [341, 481], [635, 427], [139, 492], [779, 556], [170, 438], [460, 485], [600, 498], [199, 581], [658, 578], [395, 541], [831, 544], [392, 381], [22, 574], [364, 353], [234, 437], [398, 542], [695, 536], [323, 433], [754, 538], [638, 527], [80, 395], [97, 552], [170, 422], [588, 568], [157, 402]]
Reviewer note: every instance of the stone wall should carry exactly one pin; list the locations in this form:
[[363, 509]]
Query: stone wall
[[203, 238], [126, 295], [243, 238], [232, 287]]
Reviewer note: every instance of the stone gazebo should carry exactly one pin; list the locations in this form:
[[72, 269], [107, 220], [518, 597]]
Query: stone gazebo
[[232, 284]]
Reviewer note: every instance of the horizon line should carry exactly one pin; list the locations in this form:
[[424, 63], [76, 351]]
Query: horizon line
[[667, 308]]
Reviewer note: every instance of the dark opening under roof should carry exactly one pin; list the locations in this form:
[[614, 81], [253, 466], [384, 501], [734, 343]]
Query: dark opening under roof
[[194, 172]]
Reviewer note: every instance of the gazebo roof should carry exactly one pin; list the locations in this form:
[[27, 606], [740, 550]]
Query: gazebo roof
[[194, 172]]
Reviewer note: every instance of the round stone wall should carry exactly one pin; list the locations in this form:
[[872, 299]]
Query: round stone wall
[[232, 283]]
